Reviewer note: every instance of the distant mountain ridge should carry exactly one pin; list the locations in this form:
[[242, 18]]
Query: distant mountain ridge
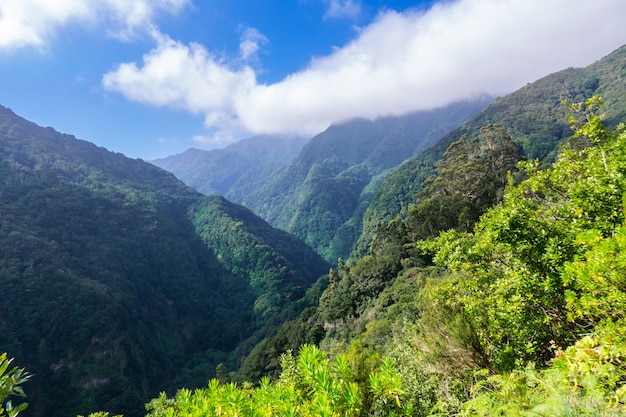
[[320, 196], [118, 281], [216, 171]]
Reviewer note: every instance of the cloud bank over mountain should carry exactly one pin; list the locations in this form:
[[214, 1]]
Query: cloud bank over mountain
[[391, 62], [401, 62]]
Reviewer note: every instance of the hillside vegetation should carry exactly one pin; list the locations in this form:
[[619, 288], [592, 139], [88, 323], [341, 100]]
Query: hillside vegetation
[[495, 286], [321, 195], [535, 117], [114, 282], [521, 315]]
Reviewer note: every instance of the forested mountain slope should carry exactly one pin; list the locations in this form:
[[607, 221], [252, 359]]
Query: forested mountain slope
[[513, 305], [535, 116], [321, 195], [467, 175], [118, 281], [216, 171], [523, 315]]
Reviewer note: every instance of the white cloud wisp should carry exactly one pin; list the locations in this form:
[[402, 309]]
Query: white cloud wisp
[[32, 23], [401, 62], [338, 9]]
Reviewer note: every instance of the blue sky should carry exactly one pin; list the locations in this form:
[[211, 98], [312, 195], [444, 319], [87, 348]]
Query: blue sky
[[151, 78]]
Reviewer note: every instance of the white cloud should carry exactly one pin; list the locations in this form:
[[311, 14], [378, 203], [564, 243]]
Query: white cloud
[[401, 62], [251, 42], [342, 9], [219, 140], [25, 23], [166, 140], [182, 76]]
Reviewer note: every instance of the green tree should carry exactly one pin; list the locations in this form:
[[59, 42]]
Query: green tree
[[470, 179], [586, 379], [309, 385], [509, 271], [11, 379]]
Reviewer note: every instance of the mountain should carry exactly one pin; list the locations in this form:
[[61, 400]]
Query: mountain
[[118, 281], [382, 279], [519, 311], [522, 314], [216, 171], [321, 195], [535, 116]]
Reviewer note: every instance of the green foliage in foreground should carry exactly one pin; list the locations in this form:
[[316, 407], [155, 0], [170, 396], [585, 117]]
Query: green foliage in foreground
[[514, 276], [309, 385], [542, 282], [586, 379], [11, 380], [523, 314]]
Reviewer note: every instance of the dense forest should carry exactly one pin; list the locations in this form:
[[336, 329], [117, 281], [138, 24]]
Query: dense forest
[[493, 284], [118, 281], [521, 315], [319, 195]]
